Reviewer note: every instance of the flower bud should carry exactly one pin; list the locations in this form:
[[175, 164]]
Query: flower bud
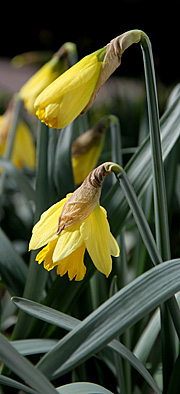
[[74, 92], [86, 150]]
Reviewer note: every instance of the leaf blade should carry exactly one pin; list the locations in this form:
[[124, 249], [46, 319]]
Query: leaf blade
[[12, 267], [113, 317], [23, 368]]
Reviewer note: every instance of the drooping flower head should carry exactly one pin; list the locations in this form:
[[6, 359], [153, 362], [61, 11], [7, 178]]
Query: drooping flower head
[[75, 224], [59, 63], [24, 150], [74, 92]]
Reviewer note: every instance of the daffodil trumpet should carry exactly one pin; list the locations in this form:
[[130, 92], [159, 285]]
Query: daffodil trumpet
[[74, 92], [74, 224]]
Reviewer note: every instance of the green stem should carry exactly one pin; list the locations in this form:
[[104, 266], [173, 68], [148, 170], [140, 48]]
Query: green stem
[[161, 213], [160, 203]]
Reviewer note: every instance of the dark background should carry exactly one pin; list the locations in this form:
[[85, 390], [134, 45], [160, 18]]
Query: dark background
[[91, 25]]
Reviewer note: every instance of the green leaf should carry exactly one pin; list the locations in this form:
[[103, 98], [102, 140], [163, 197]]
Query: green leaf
[[12, 267], [13, 383], [113, 317], [32, 346], [82, 388], [63, 172], [23, 368], [19, 177], [36, 275], [62, 320], [174, 385], [46, 313], [148, 337], [28, 347]]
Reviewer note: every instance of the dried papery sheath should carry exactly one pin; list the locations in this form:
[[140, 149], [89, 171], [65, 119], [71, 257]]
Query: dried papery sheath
[[112, 59], [82, 202]]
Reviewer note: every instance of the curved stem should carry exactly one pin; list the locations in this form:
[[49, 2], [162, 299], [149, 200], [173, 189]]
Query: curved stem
[[160, 203]]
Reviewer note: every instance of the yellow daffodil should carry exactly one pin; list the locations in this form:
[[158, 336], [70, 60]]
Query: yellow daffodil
[[73, 225], [73, 93], [63, 100], [23, 152], [86, 150], [45, 75]]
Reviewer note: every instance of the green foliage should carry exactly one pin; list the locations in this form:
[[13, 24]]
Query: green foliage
[[121, 330]]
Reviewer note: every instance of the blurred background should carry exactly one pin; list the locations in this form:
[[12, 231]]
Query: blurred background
[[91, 25]]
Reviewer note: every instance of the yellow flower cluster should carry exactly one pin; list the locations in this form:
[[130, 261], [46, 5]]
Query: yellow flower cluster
[[73, 91], [57, 94]]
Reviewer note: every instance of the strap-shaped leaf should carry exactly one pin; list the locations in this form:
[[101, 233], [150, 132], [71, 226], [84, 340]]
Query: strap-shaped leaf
[[82, 388], [19, 177], [113, 317], [23, 368], [63, 172], [64, 321], [12, 267], [13, 383]]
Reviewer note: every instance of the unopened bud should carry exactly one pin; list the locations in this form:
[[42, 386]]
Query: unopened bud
[[90, 138]]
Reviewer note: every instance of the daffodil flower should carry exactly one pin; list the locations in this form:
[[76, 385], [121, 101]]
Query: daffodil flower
[[63, 100], [45, 75], [24, 151], [75, 224], [74, 91]]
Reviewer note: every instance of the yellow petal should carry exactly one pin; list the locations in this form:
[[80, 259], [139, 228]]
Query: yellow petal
[[39, 81], [46, 255], [71, 92], [68, 241], [45, 229], [84, 163], [24, 152], [96, 234], [73, 264], [114, 248]]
